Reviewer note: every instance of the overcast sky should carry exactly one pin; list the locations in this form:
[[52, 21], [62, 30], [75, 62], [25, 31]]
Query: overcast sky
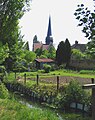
[[63, 22]]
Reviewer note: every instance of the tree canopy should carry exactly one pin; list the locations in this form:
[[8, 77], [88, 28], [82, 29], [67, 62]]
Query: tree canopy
[[86, 19]]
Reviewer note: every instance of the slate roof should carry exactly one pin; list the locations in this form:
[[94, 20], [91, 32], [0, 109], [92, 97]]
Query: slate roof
[[81, 47]]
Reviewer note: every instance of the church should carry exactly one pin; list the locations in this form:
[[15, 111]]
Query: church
[[48, 40]]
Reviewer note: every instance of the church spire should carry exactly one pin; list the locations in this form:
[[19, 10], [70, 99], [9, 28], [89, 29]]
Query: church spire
[[49, 38], [49, 27]]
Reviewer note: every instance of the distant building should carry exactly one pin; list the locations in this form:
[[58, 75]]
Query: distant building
[[41, 61], [81, 47], [48, 40]]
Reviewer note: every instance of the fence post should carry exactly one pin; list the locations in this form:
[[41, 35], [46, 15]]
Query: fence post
[[25, 78], [37, 79], [15, 75], [92, 80], [57, 83]]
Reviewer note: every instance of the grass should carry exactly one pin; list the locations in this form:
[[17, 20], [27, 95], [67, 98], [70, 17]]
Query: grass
[[12, 110]]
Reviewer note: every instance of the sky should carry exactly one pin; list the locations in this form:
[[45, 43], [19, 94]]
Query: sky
[[63, 22]]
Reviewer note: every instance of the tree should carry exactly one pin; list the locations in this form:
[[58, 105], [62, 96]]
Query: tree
[[10, 12], [67, 52], [51, 52], [35, 39], [29, 56], [39, 52], [90, 50], [60, 53], [4, 52], [86, 19]]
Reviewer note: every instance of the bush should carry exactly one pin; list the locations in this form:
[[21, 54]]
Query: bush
[[47, 68], [73, 93]]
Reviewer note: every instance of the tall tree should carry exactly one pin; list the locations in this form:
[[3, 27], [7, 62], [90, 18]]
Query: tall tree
[[67, 52], [60, 53], [10, 13]]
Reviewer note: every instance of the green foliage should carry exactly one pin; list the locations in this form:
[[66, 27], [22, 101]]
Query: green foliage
[[26, 46], [29, 56], [47, 68], [43, 56], [4, 52], [38, 52], [60, 53], [10, 13], [2, 69], [86, 19], [63, 53], [78, 55], [90, 50], [13, 110], [67, 52], [73, 93], [3, 91], [87, 72], [75, 117], [51, 52]]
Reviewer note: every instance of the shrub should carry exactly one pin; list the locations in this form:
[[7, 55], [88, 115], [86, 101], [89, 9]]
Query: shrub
[[47, 68], [73, 93]]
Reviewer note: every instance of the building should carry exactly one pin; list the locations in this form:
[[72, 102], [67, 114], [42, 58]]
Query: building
[[48, 40], [40, 62], [81, 47]]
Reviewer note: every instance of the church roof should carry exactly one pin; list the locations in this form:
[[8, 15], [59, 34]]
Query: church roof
[[40, 45], [49, 33]]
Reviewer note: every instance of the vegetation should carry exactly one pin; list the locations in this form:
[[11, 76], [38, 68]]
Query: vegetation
[[63, 53]]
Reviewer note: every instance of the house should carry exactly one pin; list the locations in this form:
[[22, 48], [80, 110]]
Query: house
[[41, 61], [81, 47]]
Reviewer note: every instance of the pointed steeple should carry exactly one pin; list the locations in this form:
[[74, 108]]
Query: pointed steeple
[[49, 27], [49, 38]]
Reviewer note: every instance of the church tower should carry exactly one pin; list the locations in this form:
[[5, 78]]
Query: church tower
[[49, 38]]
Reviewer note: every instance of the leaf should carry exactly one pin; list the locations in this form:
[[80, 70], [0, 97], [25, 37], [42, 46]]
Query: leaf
[[84, 20], [80, 24], [75, 14], [78, 17], [93, 15], [79, 9], [82, 5]]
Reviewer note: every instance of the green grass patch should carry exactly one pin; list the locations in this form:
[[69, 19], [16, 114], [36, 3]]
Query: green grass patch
[[12, 110]]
